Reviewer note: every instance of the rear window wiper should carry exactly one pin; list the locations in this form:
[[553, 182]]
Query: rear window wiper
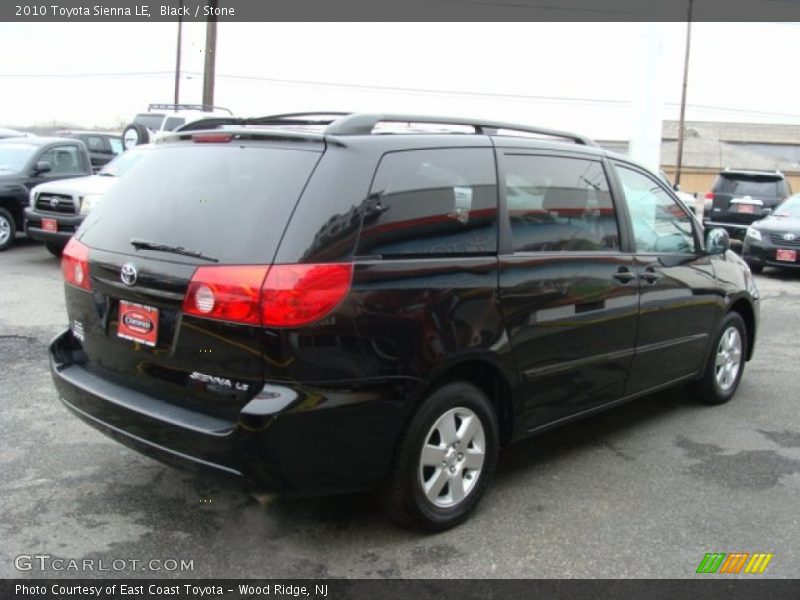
[[145, 245]]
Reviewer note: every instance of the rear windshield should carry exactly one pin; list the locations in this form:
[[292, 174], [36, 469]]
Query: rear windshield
[[229, 202], [761, 187], [150, 120]]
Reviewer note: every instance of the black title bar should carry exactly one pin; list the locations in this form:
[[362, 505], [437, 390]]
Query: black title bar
[[716, 588], [397, 10]]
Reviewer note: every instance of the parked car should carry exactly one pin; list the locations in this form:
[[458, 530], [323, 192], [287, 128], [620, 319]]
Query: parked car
[[775, 240], [740, 197], [329, 311], [13, 133], [27, 162], [103, 146], [161, 119], [57, 208]]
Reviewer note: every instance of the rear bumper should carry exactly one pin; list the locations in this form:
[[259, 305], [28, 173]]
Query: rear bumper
[[299, 439]]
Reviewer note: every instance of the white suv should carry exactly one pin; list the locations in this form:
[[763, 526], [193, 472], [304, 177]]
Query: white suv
[[163, 118]]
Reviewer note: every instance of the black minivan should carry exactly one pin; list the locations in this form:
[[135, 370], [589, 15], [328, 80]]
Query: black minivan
[[320, 304]]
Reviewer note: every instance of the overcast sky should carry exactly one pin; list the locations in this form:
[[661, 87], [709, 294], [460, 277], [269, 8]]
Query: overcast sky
[[583, 77]]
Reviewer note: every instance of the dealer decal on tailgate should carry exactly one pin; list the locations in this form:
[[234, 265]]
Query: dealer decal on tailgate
[[138, 323]]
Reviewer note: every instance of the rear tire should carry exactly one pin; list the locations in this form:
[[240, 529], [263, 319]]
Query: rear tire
[[135, 134], [54, 248], [444, 461], [8, 229], [725, 363]]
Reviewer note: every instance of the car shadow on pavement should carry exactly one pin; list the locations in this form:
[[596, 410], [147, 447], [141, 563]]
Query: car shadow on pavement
[[781, 274], [344, 512], [598, 430]]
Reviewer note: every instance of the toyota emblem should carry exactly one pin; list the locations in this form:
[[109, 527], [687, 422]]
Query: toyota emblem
[[128, 274], [54, 202], [789, 237]]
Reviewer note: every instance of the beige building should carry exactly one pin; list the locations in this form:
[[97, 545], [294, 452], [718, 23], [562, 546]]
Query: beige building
[[709, 147]]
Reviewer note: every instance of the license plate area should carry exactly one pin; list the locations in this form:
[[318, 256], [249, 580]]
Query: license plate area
[[50, 225], [138, 323], [786, 255], [747, 208]]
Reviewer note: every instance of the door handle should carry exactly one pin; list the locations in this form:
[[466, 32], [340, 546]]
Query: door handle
[[624, 275], [650, 275]]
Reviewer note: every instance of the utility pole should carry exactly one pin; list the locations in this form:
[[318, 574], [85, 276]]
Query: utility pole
[[679, 161], [178, 59], [211, 56]]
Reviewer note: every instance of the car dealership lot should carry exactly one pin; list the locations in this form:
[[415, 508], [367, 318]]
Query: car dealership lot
[[644, 490]]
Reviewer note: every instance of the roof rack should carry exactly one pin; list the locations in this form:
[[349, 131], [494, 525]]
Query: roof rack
[[288, 119], [177, 107], [363, 124], [343, 123]]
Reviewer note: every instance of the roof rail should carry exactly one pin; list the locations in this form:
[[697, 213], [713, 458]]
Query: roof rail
[[300, 118], [363, 124], [288, 119], [343, 123], [177, 107]]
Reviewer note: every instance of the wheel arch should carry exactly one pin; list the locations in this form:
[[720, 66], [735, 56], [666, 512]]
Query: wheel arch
[[12, 205], [745, 310], [487, 376]]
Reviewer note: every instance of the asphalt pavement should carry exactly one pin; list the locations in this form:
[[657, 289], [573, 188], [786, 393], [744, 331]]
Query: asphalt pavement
[[644, 490]]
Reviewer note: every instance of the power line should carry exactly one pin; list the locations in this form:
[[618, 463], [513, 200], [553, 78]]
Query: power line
[[399, 89], [86, 75]]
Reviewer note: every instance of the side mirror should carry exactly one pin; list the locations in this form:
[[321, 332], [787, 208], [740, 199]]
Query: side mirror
[[717, 241], [42, 167]]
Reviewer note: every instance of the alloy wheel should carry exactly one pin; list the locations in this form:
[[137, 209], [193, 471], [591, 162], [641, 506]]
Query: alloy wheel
[[452, 457], [729, 359], [5, 230]]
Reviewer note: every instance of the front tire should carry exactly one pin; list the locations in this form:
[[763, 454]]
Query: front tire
[[8, 229], [54, 249], [725, 364], [444, 460]]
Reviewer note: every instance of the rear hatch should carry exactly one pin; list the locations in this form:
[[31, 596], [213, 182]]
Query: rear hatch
[[742, 198], [184, 206]]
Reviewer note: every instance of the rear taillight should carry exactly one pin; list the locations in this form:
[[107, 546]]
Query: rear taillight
[[226, 293], [277, 296], [709, 197], [295, 295], [75, 264], [212, 138]]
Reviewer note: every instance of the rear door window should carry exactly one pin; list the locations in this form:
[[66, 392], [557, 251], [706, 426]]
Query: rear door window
[[95, 143], [559, 204], [432, 203], [230, 202]]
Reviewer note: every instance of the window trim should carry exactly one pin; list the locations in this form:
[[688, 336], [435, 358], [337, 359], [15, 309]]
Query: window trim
[[506, 241]]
